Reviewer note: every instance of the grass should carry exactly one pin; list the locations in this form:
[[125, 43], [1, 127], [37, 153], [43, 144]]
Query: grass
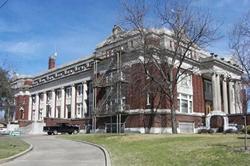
[[164, 150], [10, 146]]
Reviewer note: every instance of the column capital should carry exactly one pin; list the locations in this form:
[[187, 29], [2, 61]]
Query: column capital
[[225, 78]]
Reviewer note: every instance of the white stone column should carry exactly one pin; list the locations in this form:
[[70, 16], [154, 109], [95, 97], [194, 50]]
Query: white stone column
[[214, 85], [30, 108], [238, 103], [218, 93], [36, 107], [73, 101], [225, 99], [53, 104], [85, 97], [231, 98], [44, 105], [62, 102]]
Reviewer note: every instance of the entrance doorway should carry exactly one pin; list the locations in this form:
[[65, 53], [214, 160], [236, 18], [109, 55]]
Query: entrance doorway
[[208, 107]]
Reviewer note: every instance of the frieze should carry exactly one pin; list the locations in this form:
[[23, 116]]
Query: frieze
[[68, 71]]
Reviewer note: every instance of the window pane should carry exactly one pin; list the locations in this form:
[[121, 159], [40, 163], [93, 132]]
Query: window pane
[[178, 104], [79, 89], [184, 96], [184, 106], [190, 106]]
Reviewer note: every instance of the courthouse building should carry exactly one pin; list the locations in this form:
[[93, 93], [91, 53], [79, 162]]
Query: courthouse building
[[96, 91]]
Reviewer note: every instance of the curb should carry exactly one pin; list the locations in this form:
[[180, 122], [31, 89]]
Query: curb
[[17, 155], [106, 153]]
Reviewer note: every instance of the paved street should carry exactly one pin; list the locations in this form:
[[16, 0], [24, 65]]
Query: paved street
[[49, 151]]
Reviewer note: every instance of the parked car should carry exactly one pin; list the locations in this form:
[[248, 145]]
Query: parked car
[[61, 128]]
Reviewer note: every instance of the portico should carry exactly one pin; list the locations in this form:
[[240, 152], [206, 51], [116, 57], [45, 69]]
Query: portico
[[225, 85], [64, 102]]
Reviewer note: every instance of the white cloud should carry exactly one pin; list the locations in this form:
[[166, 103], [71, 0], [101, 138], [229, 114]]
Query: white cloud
[[20, 47]]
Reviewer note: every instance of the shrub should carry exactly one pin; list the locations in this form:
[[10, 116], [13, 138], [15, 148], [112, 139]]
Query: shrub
[[202, 131], [211, 131], [248, 129]]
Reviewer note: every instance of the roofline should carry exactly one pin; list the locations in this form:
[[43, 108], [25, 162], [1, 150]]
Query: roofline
[[218, 61], [64, 66]]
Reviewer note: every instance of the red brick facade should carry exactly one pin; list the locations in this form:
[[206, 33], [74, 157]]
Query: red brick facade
[[151, 120], [23, 123], [22, 107], [198, 94], [136, 95]]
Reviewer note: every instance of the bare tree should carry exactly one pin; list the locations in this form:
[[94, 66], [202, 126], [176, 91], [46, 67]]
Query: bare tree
[[188, 29], [240, 44]]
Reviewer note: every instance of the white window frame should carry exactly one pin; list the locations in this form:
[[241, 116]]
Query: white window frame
[[189, 99]]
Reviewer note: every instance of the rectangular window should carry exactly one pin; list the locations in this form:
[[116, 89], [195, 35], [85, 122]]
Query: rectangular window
[[184, 106], [208, 90], [48, 111], [68, 107], [49, 96], [79, 90], [79, 108], [58, 94], [185, 103], [68, 92], [58, 111], [132, 43], [41, 97]]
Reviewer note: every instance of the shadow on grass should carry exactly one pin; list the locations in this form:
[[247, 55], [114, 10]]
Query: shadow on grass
[[242, 137]]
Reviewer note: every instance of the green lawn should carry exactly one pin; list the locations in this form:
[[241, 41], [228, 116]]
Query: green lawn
[[161, 150], [10, 146]]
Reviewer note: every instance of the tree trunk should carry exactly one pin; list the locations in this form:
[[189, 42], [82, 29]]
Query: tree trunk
[[173, 120]]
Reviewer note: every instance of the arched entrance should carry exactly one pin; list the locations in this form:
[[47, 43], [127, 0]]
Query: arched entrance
[[217, 119]]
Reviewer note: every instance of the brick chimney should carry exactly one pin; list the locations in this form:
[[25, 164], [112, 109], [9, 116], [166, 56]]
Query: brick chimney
[[52, 61]]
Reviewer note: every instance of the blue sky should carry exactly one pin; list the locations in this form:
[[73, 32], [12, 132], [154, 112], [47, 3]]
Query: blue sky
[[31, 30]]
